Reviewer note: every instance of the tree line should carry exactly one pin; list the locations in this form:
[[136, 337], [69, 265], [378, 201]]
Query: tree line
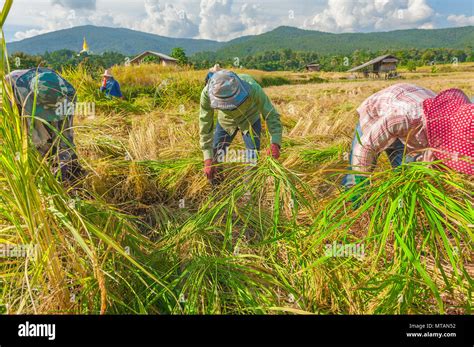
[[66, 58], [289, 60], [282, 60]]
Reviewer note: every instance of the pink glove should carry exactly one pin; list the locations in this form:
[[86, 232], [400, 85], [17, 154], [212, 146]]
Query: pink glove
[[209, 170], [274, 151]]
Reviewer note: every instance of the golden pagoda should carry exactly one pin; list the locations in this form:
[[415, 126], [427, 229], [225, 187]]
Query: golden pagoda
[[85, 47]]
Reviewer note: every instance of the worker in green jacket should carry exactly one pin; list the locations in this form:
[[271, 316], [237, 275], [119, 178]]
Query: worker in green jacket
[[240, 102]]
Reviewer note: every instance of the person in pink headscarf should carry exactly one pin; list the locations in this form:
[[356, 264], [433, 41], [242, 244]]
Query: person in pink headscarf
[[411, 123]]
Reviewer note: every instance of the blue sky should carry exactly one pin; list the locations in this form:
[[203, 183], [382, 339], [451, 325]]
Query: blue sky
[[226, 19]]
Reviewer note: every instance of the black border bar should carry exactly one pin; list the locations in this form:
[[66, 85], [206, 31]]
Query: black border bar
[[243, 330]]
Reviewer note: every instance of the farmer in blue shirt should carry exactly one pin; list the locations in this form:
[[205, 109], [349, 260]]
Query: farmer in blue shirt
[[110, 86]]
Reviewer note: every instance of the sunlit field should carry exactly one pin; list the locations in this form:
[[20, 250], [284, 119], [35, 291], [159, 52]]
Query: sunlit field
[[144, 232]]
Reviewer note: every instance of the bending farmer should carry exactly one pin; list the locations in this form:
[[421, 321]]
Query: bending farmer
[[52, 119], [240, 102], [408, 119]]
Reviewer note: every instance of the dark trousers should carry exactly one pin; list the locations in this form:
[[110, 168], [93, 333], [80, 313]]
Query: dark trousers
[[222, 141]]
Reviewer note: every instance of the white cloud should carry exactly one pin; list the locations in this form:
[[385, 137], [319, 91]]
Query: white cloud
[[59, 17], [56, 18], [372, 15], [76, 4], [21, 35], [253, 20], [221, 21], [224, 20], [461, 20], [158, 17], [427, 26], [167, 20]]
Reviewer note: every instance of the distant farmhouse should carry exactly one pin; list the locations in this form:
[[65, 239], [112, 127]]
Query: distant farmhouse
[[161, 58], [313, 67], [384, 65]]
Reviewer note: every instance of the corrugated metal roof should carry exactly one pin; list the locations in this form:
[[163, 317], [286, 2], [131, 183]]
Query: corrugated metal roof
[[160, 55], [390, 59]]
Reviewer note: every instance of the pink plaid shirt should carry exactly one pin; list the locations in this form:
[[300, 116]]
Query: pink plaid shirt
[[393, 113]]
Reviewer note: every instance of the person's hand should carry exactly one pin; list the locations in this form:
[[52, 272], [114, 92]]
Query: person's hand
[[274, 151], [209, 170], [104, 82]]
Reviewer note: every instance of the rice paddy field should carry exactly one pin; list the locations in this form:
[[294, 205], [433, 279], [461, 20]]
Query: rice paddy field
[[144, 233]]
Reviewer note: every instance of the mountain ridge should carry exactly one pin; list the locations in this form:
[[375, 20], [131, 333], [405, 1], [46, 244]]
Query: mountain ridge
[[330, 43], [132, 42], [101, 39]]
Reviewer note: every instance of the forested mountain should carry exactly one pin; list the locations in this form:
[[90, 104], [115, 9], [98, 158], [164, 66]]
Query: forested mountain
[[130, 42]]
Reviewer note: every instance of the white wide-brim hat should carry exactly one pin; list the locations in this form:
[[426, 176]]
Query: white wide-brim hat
[[107, 73]]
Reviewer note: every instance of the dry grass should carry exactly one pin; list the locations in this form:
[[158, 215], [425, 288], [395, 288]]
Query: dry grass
[[315, 116]]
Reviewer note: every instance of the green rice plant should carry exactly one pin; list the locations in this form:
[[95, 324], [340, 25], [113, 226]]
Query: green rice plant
[[228, 251], [273, 81], [320, 156], [178, 90], [84, 83], [87, 256], [417, 225], [257, 243], [231, 285], [88, 91], [173, 175]]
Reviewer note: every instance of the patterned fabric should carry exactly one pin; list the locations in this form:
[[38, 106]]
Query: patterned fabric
[[450, 129], [208, 77], [393, 113], [13, 76], [227, 91], [257, 104], [52, 131], [60, 139], [394, 152], [51, 91]]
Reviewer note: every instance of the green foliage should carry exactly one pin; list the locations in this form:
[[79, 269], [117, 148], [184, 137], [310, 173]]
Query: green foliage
[[255, 244], [65, 58], [274, 81], [411, 66], [83, 248], [289, 60], [180, 54], [151, 59], [296, 56], [356, 46], [20, 60], [320, 156], [344, 44], [427, 214]]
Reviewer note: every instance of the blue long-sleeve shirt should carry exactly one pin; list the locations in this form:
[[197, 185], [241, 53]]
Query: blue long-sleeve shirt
[[112, 88]]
